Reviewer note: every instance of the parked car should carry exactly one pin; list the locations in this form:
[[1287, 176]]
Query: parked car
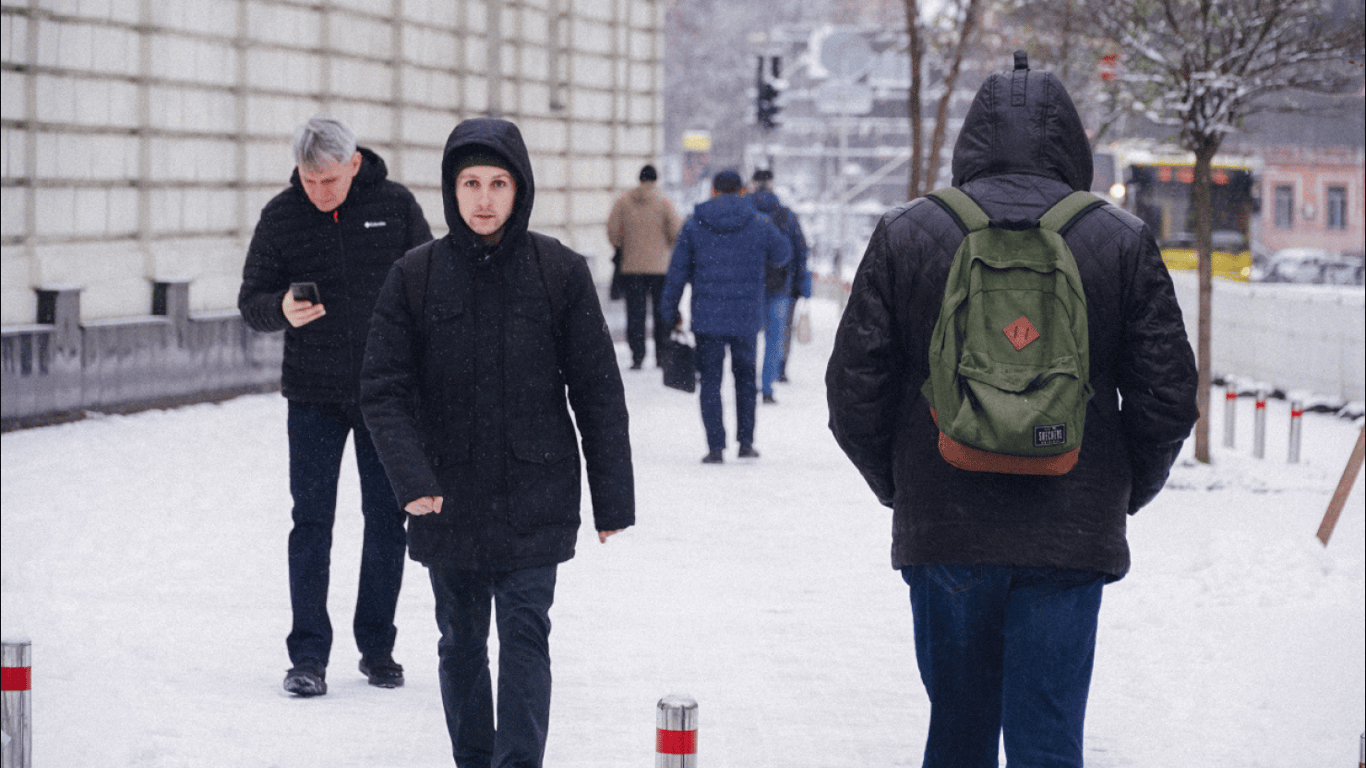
[[1312, 266]]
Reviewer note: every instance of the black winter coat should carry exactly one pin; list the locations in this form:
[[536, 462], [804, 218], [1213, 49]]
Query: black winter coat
[[1016, 161], [348, 253], [465, 383]]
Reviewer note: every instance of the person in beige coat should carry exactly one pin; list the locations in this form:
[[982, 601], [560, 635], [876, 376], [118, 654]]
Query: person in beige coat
[[642, 227]]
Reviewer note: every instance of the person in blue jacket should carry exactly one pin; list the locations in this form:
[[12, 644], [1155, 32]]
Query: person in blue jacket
[[723, 251], [782, 287]]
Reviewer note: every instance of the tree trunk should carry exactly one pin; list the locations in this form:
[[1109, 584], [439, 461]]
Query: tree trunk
[[915, 185], [941, 118], [1202, 206]]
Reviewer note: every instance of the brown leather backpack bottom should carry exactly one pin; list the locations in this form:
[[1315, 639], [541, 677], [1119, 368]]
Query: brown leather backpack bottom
[[966, 457]]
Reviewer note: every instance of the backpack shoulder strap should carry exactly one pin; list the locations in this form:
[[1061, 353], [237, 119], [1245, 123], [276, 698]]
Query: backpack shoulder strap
[[964, 210], [415, 278], [554, 270], [1068, 211]]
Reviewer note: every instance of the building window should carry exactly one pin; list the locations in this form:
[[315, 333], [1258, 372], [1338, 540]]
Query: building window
[[1335, 201], [1285, 206]]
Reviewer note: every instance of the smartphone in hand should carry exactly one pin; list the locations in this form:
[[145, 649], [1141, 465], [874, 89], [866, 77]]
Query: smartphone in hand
[[305, 292]]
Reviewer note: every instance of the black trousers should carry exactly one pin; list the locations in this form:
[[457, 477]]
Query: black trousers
[[639, 289]]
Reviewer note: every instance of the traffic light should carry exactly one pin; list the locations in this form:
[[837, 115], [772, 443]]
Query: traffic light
[[768, 107], [766, 100]]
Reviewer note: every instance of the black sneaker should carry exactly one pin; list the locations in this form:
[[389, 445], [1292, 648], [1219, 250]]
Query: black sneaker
[[747, 452], [306, 679], [713, 457], [382, 670], [769, 399]]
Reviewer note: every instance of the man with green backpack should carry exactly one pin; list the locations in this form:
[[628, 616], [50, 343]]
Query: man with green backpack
[[1012, 377]]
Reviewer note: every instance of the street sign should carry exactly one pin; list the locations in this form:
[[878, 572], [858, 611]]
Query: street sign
[[846, 55], [836, 97]]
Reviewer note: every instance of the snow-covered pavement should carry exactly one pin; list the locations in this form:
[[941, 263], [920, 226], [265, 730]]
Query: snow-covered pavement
[[144, 556]]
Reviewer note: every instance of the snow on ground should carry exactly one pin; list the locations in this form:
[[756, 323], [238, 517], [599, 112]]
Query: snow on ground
[[144, 556]]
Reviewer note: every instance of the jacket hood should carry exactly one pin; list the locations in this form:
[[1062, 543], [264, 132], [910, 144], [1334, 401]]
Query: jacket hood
[[1023, 122], [487, 135], [726, 213], [372, 171], [765, 202]]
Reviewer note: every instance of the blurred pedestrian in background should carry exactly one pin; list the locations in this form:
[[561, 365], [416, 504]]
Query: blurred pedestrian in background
[[782, 286], [723, 250], [642, 227]]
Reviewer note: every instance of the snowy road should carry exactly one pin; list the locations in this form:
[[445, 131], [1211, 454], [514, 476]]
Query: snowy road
[[144, 556]]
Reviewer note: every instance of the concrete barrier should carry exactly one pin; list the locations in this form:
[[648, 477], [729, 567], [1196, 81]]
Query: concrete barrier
[[1293, 337]]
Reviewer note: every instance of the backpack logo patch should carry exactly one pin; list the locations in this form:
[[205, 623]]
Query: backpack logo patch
[[1021, 333], [1050, 435]]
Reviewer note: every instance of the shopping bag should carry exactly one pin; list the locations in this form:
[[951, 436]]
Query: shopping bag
[[803, 330], [680, 363]]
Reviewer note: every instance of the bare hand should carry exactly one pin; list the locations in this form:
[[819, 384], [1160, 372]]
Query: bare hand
[[602, 535], [424, 505], [300, 312]]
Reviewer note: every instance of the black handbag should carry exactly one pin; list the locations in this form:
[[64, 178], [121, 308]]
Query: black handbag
[[680, 363], [616, 289]]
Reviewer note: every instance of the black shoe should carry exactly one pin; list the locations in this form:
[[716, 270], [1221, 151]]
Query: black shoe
[[306, 679], [747, 451], [382, 670], [635, 365], [770, 400], [782, 378], [713, 457]]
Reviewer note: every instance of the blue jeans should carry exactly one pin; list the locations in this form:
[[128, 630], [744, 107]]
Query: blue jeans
[[775, 340], [1004, 652], [523, 599], [317, 437], [711, 356]]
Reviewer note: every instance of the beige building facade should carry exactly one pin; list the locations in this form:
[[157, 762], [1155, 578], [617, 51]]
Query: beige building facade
[[140, 138]]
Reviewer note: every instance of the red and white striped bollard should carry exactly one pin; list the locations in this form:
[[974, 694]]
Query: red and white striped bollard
[[676, 732], [16, 682]]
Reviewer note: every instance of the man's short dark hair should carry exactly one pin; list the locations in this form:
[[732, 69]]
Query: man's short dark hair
[[727, 182], [648, 173]]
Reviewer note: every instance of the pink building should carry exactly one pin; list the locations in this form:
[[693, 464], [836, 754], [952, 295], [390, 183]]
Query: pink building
[[1313, 196]]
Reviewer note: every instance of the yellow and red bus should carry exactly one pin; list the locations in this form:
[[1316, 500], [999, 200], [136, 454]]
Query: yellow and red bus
[[1154, 183]]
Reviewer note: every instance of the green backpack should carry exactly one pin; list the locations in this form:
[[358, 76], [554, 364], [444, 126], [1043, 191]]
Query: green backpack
[[1009, 368]]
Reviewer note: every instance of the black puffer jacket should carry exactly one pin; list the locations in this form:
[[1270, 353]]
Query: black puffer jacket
[[465, 382], [347, 252], [1016, 160]]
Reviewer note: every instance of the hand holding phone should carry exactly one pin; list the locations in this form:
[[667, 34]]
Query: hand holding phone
[[302, 304], [305, 292]]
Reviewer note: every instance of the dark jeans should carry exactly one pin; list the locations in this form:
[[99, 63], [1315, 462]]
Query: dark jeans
[[787, 336], [317, 437], [638, 289], [1004, 651], [711, 355], [523, 599]]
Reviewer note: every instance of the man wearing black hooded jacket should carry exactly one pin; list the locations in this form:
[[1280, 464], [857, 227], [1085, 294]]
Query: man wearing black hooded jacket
[[477, 340], [340, 225], [1005, 571]]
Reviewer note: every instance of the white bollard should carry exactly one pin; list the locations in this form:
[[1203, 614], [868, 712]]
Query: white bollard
[[1259, 426], [15, 684], [676, 732], [1296, 426], [1230, 413]]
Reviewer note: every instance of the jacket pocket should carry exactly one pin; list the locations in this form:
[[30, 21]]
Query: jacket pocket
[[545, 485]]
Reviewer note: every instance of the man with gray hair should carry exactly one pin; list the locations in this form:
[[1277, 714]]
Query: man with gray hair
[[316, 263]]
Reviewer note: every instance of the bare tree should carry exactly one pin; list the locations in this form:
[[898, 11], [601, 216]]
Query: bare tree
[[1204, 66], [953, 31]]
